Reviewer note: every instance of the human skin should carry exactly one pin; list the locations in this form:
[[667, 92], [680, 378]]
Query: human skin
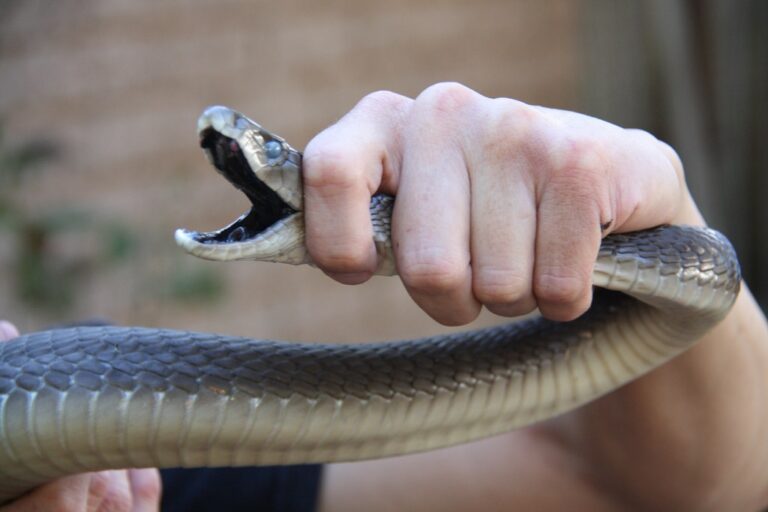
[[502, 205]]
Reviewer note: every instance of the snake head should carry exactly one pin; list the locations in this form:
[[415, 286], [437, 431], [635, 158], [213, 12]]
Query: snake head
[[268, 171]]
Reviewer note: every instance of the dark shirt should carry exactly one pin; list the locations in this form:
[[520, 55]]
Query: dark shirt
[[263, 489]]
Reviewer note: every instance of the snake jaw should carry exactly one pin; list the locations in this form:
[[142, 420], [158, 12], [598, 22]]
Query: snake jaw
[[267, 170], [270, 245]]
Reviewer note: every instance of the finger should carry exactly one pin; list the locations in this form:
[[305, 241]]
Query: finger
[[503, 241], [105, 491], [110, 491], [145, 489], [68, 494], [430, 225], [7, 331], [650, 180], [645, 175], [573, 206], [504, 214], [343, 167]]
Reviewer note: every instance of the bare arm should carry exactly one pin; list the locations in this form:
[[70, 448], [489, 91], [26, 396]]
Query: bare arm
[[687, 436]]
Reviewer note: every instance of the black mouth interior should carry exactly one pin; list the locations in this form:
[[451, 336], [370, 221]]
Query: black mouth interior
[[267, 207]]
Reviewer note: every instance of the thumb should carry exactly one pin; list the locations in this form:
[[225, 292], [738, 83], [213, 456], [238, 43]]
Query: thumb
[[7, 331]]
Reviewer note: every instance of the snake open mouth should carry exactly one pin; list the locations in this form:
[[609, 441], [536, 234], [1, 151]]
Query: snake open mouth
[[267, 207], [268, 171]]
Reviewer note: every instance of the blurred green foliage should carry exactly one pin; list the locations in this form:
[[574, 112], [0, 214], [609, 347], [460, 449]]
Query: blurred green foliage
[[194, 284], [47, 277], [43, 278]]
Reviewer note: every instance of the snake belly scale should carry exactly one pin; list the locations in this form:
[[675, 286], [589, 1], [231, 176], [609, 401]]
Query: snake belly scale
[[91, 398]]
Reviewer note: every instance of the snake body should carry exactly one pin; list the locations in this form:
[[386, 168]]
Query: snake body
[[91, 398]]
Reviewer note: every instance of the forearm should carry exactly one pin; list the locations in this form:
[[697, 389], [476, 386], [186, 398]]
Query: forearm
[[522, 470], [685, 437], [688, 435]]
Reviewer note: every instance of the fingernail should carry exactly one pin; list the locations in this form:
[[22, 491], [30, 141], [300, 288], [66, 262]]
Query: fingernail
[[350, 277], [7, 330]]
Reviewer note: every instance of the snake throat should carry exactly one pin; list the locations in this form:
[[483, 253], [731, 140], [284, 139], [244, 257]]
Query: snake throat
[[267, 209]]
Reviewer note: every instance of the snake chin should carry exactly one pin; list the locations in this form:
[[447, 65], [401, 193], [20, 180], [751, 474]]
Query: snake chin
[[249, 227]]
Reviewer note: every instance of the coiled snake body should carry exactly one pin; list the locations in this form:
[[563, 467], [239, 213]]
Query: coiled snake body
[[84, 399]]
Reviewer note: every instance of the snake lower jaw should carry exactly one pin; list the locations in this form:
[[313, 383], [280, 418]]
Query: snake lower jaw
[[272, 244]]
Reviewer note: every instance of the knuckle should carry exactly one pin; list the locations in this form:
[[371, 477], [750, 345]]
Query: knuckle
[[432, 274], [497, 287], [326, 167], [381, 100], [513, 121], [446, 99], [582, 155], [346, 257], [560, 287], [512, 133]]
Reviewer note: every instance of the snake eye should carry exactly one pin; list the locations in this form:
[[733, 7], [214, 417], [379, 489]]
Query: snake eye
[[273, 149]]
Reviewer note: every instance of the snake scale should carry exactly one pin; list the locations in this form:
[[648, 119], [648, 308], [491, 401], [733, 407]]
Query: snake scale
[[91, 398]]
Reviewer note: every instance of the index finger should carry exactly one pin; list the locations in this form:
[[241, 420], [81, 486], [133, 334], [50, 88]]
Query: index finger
[[344, 166]]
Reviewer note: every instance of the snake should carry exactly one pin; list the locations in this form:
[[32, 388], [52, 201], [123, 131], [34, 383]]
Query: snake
[[91, 398]]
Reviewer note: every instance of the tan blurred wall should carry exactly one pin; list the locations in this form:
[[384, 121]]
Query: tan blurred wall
[[119, 85]]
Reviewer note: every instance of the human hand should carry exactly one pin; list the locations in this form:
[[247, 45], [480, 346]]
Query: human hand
[[503, 205], [135, 490], [499, 203]]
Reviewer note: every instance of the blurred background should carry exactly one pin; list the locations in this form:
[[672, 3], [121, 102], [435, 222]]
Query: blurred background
[[99, 160]]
